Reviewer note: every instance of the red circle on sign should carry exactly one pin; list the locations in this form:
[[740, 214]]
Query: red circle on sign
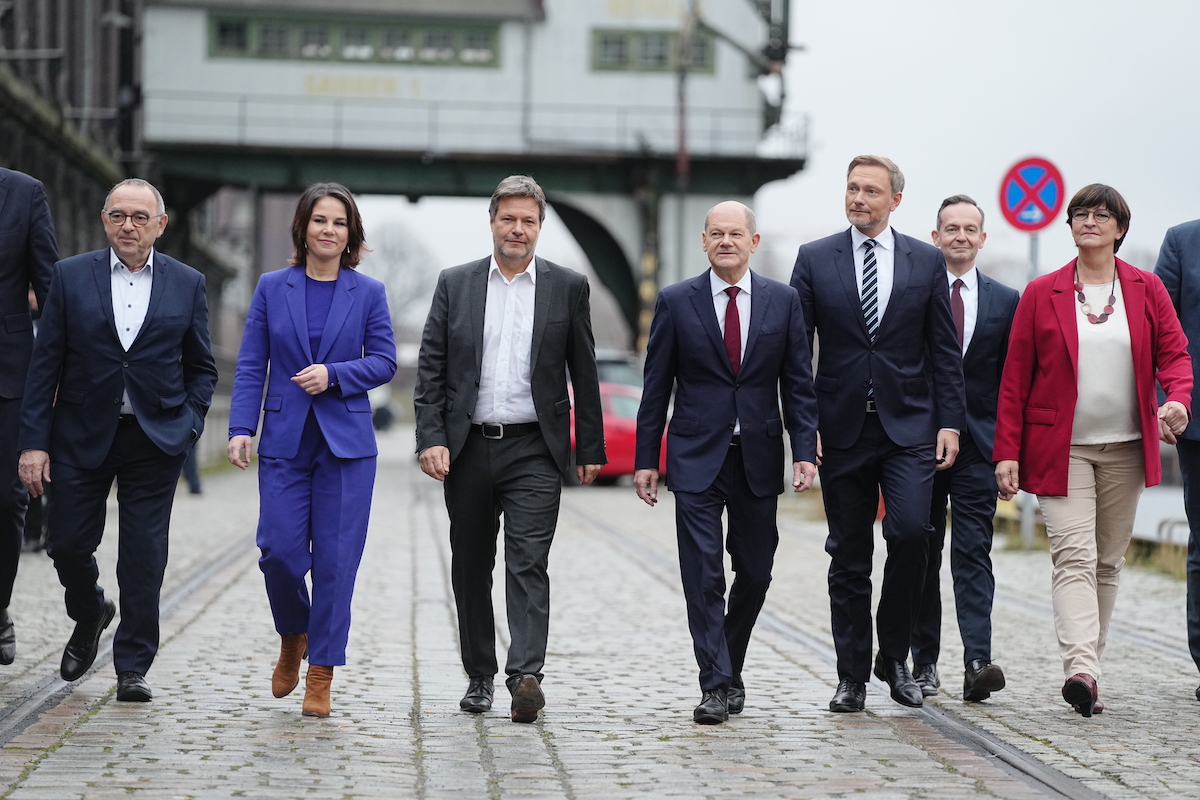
[[1031, 194]]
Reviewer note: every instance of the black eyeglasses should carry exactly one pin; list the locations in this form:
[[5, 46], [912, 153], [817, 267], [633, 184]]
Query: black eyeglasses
[[139, 219], [1101, 215]]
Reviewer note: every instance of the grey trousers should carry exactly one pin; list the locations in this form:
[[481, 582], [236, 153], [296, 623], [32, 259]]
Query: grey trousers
[[516, 477]]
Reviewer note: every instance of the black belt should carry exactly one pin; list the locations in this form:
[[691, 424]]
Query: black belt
[[736, 441], [871, 409], [494, 430], [127, 419]]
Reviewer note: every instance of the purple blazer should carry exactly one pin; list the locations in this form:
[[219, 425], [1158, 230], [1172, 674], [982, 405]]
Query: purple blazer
[[357, 343]]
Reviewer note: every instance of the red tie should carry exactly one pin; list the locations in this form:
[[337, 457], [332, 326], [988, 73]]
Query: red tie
[[733, 330], [960, 314]]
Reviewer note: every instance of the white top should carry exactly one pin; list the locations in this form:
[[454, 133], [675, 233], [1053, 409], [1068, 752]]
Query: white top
[[885, 264], [505, 388], [131, 301], [970, 297], [1107, 407], [721, 304]]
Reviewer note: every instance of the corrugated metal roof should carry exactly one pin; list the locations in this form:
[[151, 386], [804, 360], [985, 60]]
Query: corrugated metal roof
[[452, 9]]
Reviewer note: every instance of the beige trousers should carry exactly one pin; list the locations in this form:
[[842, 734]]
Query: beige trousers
[[1089, 530]]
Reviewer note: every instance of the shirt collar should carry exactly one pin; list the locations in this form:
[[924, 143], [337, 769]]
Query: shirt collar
[[716, 285], [970, 279], [886, 239], [531, 271], [114, 262]]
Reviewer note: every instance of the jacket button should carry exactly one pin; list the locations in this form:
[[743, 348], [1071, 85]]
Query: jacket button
[[117, 401], [866, 384], [124, 363], [731, 426]]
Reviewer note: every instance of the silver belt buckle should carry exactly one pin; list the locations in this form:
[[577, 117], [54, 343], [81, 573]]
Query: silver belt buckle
[[871, 407], [499, 430]]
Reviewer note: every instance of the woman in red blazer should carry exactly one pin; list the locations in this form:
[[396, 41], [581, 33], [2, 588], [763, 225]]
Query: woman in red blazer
[[1078, 423]]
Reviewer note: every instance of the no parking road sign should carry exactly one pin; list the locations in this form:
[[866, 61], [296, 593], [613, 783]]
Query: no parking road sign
[[1031, 194]]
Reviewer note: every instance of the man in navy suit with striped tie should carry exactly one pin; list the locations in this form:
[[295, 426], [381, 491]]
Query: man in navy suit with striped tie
[[732, 344], [890, 402]]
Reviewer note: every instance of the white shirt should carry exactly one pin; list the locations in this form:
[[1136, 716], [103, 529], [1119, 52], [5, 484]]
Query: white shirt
[[131, 301], [970, 297], [505, 387], [721, 305], [1106, 409], [885, 264]]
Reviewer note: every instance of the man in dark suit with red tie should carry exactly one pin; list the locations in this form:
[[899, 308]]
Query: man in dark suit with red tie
[[731, 343], [890, 398], [983, 311]]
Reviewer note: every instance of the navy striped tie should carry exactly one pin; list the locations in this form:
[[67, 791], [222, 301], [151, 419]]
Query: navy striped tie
[[870, 290]]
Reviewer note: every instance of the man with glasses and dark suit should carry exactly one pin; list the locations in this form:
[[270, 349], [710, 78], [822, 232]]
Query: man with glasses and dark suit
[[120, 382]]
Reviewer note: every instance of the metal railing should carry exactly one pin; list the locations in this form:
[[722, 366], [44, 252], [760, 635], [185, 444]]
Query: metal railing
[[436, 126]]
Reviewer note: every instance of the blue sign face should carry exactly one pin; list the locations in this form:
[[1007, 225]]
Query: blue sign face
[[1031, 194]]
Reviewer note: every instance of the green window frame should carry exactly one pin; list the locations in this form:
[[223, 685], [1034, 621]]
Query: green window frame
[[327, 39], [649, 51]]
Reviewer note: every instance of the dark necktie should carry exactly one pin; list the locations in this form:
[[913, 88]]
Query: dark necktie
[[870, 290], [733, 330], [960, 313]]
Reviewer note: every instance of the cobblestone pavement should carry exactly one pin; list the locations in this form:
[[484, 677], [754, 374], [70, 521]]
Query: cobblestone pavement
[[620, 685]]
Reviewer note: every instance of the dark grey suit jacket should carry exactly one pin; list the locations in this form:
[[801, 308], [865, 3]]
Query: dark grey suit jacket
[[452, 357], [983, 363], [1179, 268]]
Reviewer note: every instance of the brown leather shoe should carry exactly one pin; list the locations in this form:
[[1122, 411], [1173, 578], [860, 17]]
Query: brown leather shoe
[[292, 651], [316, 691], [1080, 691]]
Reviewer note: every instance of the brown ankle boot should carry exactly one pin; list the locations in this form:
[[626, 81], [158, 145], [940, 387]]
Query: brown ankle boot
[[316, 691], [287, 668]]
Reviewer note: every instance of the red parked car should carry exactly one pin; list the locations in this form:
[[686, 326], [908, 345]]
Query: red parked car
[[619, 403]]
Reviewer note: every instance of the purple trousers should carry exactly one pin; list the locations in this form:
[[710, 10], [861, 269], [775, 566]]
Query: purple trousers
[[313, 514]]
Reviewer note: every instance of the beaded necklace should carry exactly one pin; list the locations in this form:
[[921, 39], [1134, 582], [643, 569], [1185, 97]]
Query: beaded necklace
[[1086, 307]]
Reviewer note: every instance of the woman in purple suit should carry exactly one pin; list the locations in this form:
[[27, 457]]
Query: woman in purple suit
[[319, 335]]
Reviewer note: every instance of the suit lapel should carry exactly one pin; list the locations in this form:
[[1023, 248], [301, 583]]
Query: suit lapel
[[477, 290], [543, 288], [982, 309], [102, 271], [299, 312], [901, 273], [159, 276], [4, 184], [760, 301], [1062, 299], [843, 263], [702, 301], [1133, 288], [339, 309]]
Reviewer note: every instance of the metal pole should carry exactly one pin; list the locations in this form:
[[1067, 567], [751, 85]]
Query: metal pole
[[1025, 500]]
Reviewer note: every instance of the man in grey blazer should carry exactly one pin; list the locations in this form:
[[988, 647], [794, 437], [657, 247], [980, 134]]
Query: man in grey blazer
[[493, 424], [1179, 267]]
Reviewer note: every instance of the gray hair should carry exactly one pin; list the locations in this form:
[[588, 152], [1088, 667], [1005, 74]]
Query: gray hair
[[954, 200], [895, 176], [518, 186], [162, 207]]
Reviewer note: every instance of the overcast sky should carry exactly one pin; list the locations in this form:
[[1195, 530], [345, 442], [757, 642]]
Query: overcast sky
[[956, 93]]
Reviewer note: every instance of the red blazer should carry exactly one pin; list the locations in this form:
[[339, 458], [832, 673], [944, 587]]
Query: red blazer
[[1040, 386]]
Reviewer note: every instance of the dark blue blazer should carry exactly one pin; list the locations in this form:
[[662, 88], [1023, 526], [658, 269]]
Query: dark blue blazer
[[983, 363], [686, 351], [168, 371], [917, 322], [357, 343], [28, 251], [1179, 268]]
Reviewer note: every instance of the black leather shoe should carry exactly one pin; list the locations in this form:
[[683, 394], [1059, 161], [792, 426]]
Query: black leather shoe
[[735, 698], [927, 678], [1198, 692], [132, 688], [8, 638], [713, 708], [527, 699], [850, 696], [981, 679], [904, 689], [84, 642], [478, 698]]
